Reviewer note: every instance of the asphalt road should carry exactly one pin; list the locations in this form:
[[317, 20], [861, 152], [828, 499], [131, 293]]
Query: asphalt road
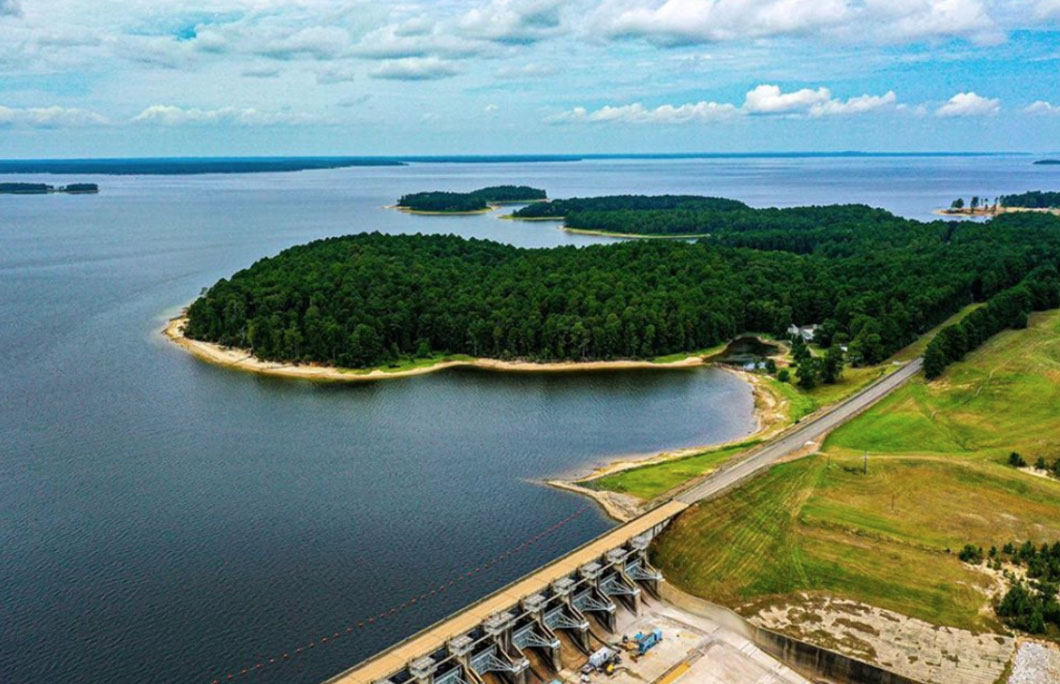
[[722, 480]]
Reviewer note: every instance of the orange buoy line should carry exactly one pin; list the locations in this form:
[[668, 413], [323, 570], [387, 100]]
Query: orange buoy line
[[460, 577]]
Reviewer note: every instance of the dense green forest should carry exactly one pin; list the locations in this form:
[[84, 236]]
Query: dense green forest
[[1036, 199], [368, 299], [476, 200], [25, 188], [567, 207], [713, 221], [44, 188], [1040, 290]]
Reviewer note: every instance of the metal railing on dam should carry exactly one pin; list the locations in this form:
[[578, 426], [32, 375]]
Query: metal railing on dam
[[527, 619]]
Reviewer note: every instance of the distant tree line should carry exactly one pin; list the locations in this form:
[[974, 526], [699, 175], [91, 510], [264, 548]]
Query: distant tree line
[[370, 299], [476, 200], [1029, 605], [44, 189], [684, 221], [568, 207], [1036, 199], [1010, 308]]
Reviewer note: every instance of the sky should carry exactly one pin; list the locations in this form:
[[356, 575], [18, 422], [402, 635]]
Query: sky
[[84, 78]]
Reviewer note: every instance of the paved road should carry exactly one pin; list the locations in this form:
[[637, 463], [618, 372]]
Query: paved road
[[723, 480]]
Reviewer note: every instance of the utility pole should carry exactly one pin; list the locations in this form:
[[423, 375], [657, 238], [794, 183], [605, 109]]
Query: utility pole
[[866, 466]]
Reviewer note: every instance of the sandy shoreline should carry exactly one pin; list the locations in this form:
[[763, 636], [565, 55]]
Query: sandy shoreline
[[985, 213], [241, 359], [769, 420]]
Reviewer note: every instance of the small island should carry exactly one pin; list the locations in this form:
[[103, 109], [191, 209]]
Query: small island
[[1034, 200], [474, 202], [45, 189], [1047, 162]]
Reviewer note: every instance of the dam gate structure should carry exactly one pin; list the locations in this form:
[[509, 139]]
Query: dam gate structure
[[536, 626]]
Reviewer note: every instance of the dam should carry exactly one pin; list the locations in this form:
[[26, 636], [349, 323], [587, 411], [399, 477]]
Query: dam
[[535, 626], [549, 620]]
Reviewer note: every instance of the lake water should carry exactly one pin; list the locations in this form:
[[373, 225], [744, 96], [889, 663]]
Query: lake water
[[168, 520]]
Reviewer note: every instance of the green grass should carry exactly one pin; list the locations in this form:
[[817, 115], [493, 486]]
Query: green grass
[[1003, 397], [936, 480], [881, 537], [404, 365], [681, 356], [649, 481]]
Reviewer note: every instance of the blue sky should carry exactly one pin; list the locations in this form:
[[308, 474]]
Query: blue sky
[[176, 77]]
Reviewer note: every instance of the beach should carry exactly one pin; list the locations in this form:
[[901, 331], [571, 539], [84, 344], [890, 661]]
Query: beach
[[242, 359]]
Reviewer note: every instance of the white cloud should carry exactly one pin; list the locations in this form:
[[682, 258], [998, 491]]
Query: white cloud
[[768, 99], [1047, 9], [414, 69], [171, 115], [318, 42], [396, 42], [528, 70], [686, 22], [10, 8], [49, 117], [855, 105], [969, 104], [762, 100], [492, 109], [703, 112], [517, 22], [1042, 107]]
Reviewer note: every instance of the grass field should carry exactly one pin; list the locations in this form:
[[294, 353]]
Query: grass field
[[650, 481], [647, 482], [1003, 397], [936, 480]]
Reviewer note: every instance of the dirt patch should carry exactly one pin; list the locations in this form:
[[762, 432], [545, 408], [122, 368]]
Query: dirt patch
[[621, 507]]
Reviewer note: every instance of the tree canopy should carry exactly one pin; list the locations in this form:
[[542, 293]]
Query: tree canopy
[[1035, 199], [879, 281], [567, 207], [476, 200]]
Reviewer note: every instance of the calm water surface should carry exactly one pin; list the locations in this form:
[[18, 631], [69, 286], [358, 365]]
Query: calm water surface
[[167, 520]]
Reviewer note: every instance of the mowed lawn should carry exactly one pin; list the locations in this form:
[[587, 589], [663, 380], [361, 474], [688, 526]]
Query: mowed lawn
[[1003, 397], [649, 481], [936, 480]]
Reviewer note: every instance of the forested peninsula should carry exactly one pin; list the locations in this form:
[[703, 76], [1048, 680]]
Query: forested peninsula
[[1034, 200], [694, 216], [869, 279], [440, 202]]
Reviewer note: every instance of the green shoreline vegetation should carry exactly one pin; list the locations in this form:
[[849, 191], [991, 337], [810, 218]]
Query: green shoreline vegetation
[[913, 480], [474, 202]]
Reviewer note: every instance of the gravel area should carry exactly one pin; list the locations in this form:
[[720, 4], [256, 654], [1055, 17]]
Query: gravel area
[[1035, 664]]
